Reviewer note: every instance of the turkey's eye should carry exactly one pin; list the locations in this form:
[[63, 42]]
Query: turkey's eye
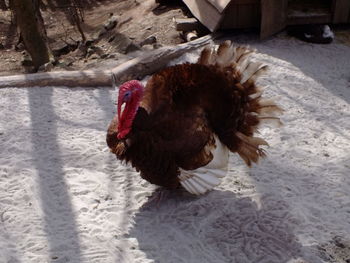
[[127, 96]]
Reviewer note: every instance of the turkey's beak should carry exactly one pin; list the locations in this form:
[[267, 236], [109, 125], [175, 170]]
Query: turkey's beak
[[121, 108]]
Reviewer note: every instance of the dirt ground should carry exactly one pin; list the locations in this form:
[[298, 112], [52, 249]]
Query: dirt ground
[[140, 25], [136, 22]]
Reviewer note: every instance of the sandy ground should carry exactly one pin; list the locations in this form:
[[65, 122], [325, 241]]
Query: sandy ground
[[65, 198]]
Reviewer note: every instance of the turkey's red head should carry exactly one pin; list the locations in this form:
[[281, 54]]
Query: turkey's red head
[[129, 97]]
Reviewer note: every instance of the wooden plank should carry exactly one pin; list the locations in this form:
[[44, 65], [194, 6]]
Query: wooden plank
[[220, 5], [248, 16], [230, 20], [341, 11], [205, 12], [187, 24], [241, 16], [273, 17], [245, 2], [310, 19]]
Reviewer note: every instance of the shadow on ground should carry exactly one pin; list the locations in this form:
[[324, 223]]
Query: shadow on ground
[[218, 227]]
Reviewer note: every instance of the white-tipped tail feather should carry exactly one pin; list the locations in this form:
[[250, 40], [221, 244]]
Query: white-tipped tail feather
[[256, 111], [205, 178]]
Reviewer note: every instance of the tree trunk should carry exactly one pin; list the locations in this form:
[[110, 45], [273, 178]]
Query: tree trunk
[[3, 5], [76, 19], [32, 30]]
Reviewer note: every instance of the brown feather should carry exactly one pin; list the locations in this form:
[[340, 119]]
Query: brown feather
[[205, 56]]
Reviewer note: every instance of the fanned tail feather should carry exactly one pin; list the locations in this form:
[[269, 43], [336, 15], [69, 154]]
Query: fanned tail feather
[[256, 110], [249, 148], [205, 178], [198, 182]]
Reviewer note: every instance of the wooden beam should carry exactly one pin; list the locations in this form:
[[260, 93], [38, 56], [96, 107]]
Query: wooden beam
[[341, 11], [309, 19], [187, 24], [273, 17], [205, 12]]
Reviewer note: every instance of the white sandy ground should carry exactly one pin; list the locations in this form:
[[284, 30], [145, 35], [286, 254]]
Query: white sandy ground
[[65, 198]]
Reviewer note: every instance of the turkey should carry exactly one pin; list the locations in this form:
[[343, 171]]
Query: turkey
[[178, 130]]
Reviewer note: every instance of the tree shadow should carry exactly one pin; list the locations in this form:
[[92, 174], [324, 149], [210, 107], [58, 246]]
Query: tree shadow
[[217, 227], [58, 215]]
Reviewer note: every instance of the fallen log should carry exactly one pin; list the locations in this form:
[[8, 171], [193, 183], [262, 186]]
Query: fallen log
[[135, 68], [190, 36]]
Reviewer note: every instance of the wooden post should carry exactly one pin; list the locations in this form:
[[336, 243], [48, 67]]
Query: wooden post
[[341, 11], [273, 17]]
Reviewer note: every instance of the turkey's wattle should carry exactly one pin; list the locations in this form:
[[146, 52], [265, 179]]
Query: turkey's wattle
[[180, 128]]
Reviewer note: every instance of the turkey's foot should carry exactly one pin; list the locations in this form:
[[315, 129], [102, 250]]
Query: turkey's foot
[[157, 197]]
